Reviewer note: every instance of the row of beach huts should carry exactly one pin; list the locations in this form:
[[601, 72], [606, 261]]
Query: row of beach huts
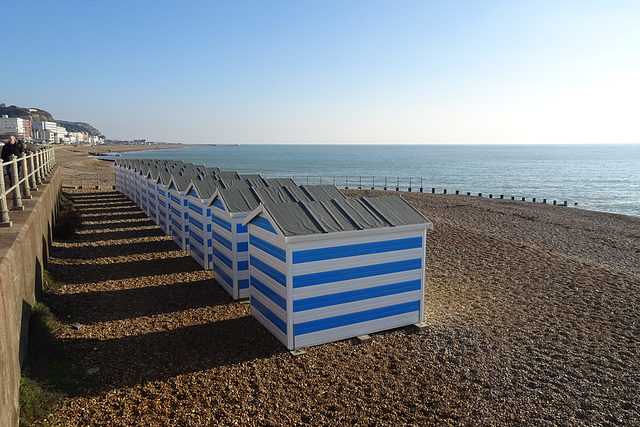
[[316, 266]]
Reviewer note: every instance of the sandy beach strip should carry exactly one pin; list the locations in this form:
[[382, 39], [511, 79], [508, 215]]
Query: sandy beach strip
[[533, 316]]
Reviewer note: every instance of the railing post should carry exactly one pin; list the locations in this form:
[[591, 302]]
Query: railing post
[[37, 167], [32, 174], [50, 161], [25, 176], [40, 166], [17, 197], [47, 161], [4, 211]]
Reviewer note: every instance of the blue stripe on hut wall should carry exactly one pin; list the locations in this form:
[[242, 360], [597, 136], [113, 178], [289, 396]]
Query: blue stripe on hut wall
[[222, 240], [197, 238], [270, 315], [268, 248], [223, 275], [225, 260], [218, 204], [221, 222], [356, 295], [269, 293], [355, 272], [270, 271], [197, 223], [334, 252], [353, 318], [264, 224], [198, 209]]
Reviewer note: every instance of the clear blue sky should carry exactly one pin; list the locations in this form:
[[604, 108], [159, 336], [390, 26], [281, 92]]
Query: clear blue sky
[[345, 71]]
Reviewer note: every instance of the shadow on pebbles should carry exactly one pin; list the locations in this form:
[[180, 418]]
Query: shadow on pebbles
[[533, 318]]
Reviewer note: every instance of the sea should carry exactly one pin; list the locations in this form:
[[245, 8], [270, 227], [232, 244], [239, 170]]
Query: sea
[[596, 177]]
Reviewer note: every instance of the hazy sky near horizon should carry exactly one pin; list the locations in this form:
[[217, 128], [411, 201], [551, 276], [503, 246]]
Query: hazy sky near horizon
[[354, 71]]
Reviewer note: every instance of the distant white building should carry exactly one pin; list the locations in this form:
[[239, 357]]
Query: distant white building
[[11, 126], [49, 132]]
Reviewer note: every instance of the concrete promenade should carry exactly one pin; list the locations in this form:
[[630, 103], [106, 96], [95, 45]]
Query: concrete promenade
[[24, 252]]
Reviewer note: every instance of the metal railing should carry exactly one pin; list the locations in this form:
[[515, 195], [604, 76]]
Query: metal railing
[[364, 182], [31, 170]]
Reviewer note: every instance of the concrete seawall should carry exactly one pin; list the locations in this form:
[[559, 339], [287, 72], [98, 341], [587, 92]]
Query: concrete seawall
[[24, 252]]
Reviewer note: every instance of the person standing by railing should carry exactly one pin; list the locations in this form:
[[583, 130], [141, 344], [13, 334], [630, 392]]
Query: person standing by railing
[[9, 149]]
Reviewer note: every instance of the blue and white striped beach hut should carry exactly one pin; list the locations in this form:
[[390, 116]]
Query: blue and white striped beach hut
[[179, 207], [330, 270], [199, 195], [229, 208]]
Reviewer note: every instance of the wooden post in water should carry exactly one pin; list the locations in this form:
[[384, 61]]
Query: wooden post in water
[[523, 199], [533, 200], [457, 191], [444, 191], [468, 193], [501, 196], [479, 194], [433, 191], [409, 184], [544, 201], [491, 196], [421, 188], [385, 183], [398, 183]]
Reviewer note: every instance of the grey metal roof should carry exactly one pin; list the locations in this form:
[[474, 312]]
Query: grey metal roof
[[277, 182], [182, 180], [239, 199], [323, 192], [224, 175], [206, 187], [274, 194], [337, 215], [234, 183]]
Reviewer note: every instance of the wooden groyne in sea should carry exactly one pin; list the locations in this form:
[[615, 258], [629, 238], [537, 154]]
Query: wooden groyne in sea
[[410, 184]]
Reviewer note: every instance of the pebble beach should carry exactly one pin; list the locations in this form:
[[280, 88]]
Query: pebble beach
[[532, 317]]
